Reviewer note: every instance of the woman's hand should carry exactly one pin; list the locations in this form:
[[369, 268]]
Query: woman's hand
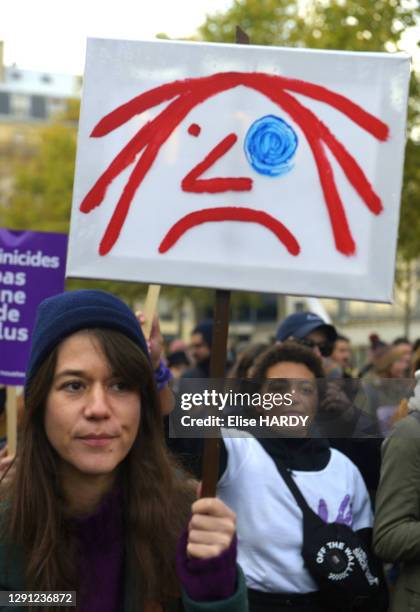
[[155, 345], [211, 528], [155, 342]]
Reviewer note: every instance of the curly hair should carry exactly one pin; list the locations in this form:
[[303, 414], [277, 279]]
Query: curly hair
[[288, 351]]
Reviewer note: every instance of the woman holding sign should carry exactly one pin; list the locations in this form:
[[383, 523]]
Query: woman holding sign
[[96, 505]]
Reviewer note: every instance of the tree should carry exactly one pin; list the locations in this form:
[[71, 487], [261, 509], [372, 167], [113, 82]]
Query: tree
[[41, 199], [409, 230], [267, 22], [42, 194], [355, 25], [352, 25]]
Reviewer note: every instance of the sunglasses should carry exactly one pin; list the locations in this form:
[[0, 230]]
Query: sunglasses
[[325, 348]]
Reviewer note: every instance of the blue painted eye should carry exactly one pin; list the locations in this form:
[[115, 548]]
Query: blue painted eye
[[270, 145]]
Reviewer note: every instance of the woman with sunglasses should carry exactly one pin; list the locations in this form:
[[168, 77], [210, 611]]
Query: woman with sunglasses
[[96, 505]]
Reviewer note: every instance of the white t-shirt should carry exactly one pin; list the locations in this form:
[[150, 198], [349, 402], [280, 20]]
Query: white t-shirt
[[269, 521]]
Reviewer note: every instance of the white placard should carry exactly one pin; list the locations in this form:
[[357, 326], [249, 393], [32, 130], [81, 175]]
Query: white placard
[[240, 167]]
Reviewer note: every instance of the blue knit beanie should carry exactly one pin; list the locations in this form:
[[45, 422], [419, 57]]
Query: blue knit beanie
[[64, 314]]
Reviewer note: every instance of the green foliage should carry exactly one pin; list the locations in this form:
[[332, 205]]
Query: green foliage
[[43, 185], [267, 22], [355, 25], [350, 25], [409, 230]]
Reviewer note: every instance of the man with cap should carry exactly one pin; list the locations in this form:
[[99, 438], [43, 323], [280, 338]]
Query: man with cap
[[310, 330]]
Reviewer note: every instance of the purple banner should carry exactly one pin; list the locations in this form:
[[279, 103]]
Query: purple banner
[[32, 266]]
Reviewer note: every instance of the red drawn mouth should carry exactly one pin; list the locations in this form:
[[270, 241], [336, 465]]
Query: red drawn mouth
[[229, 213]]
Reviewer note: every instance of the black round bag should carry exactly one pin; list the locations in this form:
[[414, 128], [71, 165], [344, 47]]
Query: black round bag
[[339, 560]]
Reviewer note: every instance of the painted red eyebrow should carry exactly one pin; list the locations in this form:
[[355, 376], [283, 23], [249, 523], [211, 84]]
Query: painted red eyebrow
[[193, 184], [162, 93]]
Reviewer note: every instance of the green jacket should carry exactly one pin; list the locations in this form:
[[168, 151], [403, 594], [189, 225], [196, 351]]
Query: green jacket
[[397, 522], [12, 579]]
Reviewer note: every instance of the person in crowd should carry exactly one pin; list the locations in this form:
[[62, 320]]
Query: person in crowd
[[178, 363], [308, 329], [402, 410], [386, 385], [341, 355], [96, 504], [343, 422], [375, 343], [311, 330], [270, 527], [404, 342], [200, 348], [397, 521], [242, 367], [177, 345], [391, 361]]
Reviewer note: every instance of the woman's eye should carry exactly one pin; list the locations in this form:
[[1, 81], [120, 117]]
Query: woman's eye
[[120, 386], [72, 386]]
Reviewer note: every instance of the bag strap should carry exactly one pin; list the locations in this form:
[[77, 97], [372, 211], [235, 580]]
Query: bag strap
[[308, 513]]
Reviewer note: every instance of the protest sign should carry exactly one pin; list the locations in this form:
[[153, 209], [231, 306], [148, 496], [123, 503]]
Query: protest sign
[[31, 269], [240, 167]]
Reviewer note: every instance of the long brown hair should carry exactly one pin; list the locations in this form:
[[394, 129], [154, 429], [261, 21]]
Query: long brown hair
[[156, 496]]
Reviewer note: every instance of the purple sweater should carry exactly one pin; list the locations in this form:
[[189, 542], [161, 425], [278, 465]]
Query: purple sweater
[[101, 537]]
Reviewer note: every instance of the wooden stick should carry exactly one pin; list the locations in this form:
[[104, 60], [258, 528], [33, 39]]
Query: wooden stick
[[11, 420], [210, 464], [242, 37], [150, 307]]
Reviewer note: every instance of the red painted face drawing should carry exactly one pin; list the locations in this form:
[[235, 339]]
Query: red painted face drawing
[[270, 145]]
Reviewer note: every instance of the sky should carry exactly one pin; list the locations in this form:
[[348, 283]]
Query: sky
[[50, 35]]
